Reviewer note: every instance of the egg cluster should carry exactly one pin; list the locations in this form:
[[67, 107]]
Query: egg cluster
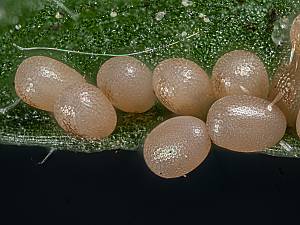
[[242, 113]]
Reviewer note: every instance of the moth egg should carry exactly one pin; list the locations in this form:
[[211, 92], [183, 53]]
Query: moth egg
[[39, 80], [83, 110], [176, 146], [285, 89], [240, 73], [295, 34], [298, 124], [183, 87], [127, 82], [245, 123]]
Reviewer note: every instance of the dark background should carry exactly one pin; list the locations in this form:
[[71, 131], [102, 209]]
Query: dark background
[[117, 188]]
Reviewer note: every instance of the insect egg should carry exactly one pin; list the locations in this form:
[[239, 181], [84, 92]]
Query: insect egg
[[240, 73], [298, 124], [285, 89], [127, 82], [39, 80], [183, 87], [295, 34], [176, 146], [245, 123], [83, 110]]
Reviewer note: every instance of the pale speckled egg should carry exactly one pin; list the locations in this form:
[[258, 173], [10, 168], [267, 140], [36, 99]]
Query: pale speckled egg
[[39, 80], [285, 89], [298, 124], [83, 110], [183, 87], [177, 146], [240, 72], [245, 123], [127, 82], [295, 34]]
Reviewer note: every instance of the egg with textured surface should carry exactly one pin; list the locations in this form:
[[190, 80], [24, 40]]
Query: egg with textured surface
[[83, 110], [240, 72], [298, 124], [285, 89], [295, 34], [127, 82], [183, 87], [39, 80], [177, 146], [245, 123]]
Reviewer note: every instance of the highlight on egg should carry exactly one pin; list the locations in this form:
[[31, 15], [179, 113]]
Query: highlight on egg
[[240, 72], [39, 80], [83, 110], [183, 87], [127, 82], [245, 123], [177, 146]]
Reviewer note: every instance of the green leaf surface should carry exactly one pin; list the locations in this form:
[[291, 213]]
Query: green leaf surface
[[198, 30]]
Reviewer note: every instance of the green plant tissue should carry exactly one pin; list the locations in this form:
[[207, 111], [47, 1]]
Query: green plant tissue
[[197, 30]]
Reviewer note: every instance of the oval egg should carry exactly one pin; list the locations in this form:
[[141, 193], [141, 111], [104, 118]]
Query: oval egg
[[298, 124], [285, 89], [240, 73], [39, 80], [127, 82], [245, 123], [295, 34], [183, 87], [83, 110], [176, 146]]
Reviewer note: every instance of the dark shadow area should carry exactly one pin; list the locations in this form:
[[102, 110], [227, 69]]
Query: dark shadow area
[[117, 188]]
